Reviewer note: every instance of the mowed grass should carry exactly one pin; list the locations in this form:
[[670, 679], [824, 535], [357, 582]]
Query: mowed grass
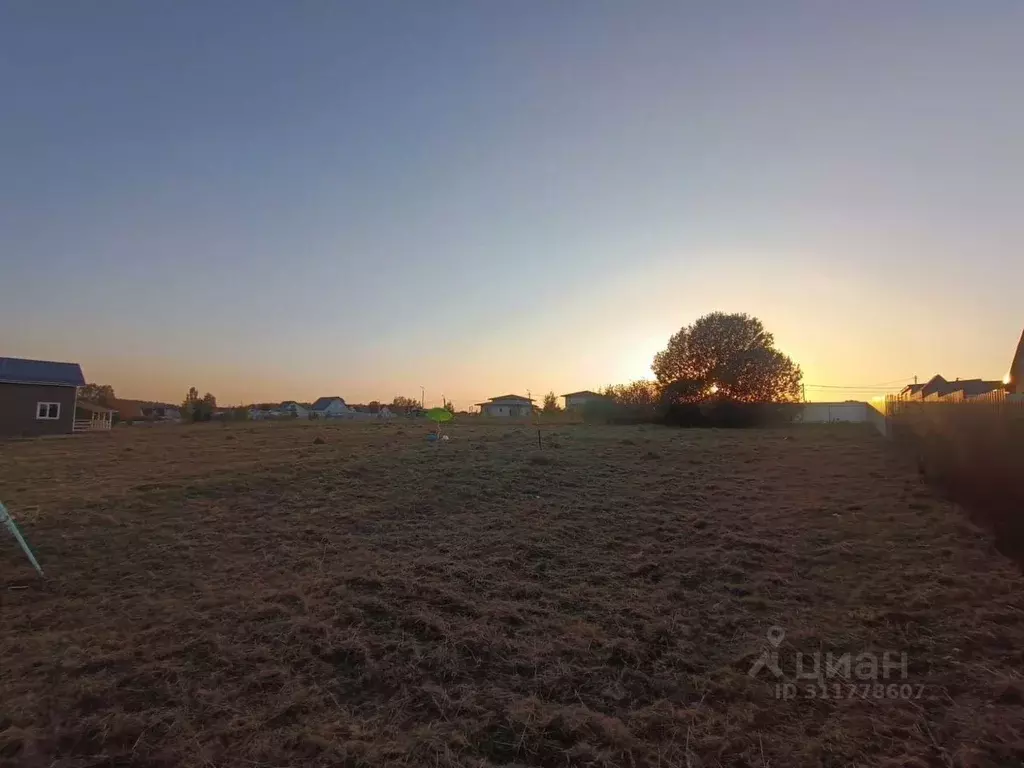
[[245, 596]]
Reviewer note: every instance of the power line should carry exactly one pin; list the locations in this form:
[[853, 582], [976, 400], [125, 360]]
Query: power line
[[857, 386], [811, 386]]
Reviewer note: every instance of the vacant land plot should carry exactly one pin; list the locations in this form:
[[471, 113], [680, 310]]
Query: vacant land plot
[[248, 596]]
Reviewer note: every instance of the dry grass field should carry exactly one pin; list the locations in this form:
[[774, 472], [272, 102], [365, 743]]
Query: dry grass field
[[250, 596]]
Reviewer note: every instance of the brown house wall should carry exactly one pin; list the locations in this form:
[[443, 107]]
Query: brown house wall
[[18, 409]]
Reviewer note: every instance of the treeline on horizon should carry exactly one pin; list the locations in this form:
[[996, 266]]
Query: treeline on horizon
[[723, 369]]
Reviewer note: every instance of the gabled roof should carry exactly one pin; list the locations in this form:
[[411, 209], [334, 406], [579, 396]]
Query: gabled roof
[[584, 392], [15, 370], [322, 402], [935, 384], [511, 397]]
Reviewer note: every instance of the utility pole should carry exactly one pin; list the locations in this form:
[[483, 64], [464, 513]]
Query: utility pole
[[533, 418], [803, 392], [423, 402]]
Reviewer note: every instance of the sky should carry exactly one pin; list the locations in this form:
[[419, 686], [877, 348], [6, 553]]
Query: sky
[[272, 200]]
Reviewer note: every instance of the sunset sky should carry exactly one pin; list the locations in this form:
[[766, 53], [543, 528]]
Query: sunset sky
[[273, 200]]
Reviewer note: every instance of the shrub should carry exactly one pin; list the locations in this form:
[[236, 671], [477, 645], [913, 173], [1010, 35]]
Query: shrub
[[730, 414], [607, 412]]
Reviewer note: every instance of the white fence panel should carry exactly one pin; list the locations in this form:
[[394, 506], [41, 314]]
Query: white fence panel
[[830, 413]]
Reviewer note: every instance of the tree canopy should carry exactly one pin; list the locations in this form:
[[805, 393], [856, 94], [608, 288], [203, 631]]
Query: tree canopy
[[729, 356], [100, 394], [550, 402], [640, 392], [195, 408]]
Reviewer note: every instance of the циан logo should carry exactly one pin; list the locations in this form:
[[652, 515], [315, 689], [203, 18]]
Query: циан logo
[[830, 675]]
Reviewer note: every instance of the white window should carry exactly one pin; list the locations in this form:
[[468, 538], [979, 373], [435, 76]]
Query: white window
[[47, 410]]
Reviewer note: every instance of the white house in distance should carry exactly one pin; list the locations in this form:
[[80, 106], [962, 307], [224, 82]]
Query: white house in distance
[[577, 400], [293, 409], [329, 407], [507, 406]]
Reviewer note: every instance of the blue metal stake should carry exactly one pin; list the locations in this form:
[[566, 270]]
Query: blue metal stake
[[5, 517]]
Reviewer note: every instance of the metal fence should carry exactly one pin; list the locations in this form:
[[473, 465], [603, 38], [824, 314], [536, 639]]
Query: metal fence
[[973, 449]]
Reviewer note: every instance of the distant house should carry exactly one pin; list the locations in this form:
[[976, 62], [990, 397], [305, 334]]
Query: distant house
[[911, 392], [329, 407], [507, 406], [258, 411], [161, 413], [934, 387], [292, 409], [144, 410], [410, 411], [577, 400], [938, 388], [129, 410], [38, 397], [974, 387]]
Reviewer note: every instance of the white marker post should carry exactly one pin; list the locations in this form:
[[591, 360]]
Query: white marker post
[[5, 517]]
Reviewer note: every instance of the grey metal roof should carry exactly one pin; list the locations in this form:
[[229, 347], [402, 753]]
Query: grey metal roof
[[18, 371], [974, 386]]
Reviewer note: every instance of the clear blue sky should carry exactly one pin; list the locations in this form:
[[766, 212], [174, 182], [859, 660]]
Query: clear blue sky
[[286, 200]]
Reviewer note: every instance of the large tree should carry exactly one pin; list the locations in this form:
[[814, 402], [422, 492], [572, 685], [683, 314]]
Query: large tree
[[100, 394], [729, 356]]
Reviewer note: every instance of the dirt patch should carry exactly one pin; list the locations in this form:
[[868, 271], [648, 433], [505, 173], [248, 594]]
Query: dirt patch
[[381, 600]]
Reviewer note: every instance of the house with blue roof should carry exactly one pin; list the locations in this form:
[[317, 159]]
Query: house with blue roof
[[38, 397]]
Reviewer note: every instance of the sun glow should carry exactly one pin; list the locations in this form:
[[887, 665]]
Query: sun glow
[[1006, 379]]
